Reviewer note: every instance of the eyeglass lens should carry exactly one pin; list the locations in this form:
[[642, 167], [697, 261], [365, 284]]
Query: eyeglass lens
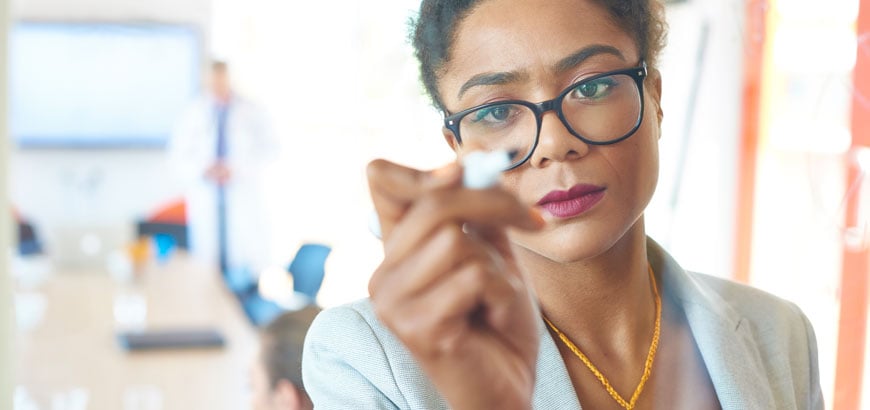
[[599, 110]]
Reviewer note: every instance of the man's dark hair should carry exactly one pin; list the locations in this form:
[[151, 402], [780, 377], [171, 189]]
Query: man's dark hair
[[282, 342]]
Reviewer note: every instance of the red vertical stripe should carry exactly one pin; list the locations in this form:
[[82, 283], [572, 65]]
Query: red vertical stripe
[[856, 259], [753, 64]]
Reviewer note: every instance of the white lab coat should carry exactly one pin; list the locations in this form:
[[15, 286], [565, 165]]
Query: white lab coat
[[250, 143]]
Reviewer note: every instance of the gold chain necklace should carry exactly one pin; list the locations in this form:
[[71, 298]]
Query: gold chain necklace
[[650, 357]]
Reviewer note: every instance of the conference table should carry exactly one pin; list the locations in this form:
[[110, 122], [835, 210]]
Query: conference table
[[69, 358]]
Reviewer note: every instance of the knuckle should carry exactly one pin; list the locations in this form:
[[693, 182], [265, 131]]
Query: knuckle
[[449, 341], [454, 241], [376, 282], [432, 204], [405, 329], [476, 274], [384, 311], [415, 333], [376, 168]]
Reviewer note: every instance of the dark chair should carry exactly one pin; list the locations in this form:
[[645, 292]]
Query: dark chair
[[28, 240], [307, 268]]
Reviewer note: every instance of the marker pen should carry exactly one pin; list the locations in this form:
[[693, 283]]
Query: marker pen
[[480, 170]]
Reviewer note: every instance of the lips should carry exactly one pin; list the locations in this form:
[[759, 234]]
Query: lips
[[575, 201]]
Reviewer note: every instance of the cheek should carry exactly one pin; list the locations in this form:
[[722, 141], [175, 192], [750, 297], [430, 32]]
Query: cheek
[[634, 163], [648, 155], [637, 163]]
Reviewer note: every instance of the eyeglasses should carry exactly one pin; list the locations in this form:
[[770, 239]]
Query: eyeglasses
[[600, 110]]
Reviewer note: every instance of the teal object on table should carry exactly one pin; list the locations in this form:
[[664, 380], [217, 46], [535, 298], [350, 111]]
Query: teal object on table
[[164, 245]]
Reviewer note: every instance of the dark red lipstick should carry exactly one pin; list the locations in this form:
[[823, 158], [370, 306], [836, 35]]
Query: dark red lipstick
[[575, 201]]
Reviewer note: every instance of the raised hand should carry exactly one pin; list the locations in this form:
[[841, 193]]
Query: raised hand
[[449, 287]]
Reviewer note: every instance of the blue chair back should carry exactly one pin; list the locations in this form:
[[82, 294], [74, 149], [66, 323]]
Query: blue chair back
[[307, 268]]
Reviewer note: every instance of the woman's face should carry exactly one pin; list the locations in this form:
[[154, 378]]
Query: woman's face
[[528, 45]]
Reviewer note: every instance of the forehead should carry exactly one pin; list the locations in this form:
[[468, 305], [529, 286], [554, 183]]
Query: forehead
[[528, 35]]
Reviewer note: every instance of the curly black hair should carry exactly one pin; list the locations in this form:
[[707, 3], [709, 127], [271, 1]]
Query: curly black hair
[[435, 26]]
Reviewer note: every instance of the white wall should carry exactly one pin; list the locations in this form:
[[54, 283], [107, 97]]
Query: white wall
[[5, 230], [173, 11], [698, 227], [72, 193]]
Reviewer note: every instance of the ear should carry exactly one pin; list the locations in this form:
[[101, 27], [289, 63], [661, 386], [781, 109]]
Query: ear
[[655, 80], [286, 396], [450, 139]]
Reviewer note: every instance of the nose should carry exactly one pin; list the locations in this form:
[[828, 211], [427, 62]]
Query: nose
[[556, 143]]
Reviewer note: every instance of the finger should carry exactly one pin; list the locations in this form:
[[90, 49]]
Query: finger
[[511, 310], [498, 240], [434, 323], [493, 207], [394, 188], [501, 297], [438, 255]]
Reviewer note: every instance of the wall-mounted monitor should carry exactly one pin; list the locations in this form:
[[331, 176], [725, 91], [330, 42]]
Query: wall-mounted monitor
[[100, 84]]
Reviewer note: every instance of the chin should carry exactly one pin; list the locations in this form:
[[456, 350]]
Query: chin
[[567, 244]]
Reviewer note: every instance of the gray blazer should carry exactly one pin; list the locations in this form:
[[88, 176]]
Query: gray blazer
[[760, 352]]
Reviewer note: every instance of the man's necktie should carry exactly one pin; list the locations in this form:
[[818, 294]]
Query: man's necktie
[[221, 154]]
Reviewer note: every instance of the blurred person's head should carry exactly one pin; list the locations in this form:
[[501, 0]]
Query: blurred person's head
[[276, 374], [219, 81]]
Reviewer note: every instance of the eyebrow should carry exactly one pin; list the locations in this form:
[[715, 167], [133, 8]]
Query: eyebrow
[[579, 56], [565, 64], [498, 78]]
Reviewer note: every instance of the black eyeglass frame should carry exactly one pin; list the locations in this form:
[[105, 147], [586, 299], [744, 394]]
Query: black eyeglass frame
[[638, 73]]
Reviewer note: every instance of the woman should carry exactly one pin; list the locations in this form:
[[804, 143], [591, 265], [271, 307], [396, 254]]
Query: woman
[[545, 292]]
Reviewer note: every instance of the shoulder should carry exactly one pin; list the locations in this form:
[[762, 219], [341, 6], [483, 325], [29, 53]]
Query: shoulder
[[775, 324], [357, 315], [749, 303], [746, 299], [725, 299], [778, 332], [348, 346], [336, 326], [350, 332], [767, 332]]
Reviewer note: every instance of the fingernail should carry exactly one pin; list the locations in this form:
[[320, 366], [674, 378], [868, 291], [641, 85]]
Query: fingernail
[[536, 216]]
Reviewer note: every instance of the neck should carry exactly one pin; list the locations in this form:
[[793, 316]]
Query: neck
[[603, 302]]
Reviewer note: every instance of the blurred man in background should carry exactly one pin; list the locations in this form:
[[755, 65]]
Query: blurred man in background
[[276, 374], [218, 149]]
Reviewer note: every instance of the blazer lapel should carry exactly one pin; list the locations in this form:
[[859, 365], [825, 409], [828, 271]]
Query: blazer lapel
[[553, 388], [723, 338]]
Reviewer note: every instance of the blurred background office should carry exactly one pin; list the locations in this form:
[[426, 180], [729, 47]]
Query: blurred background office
[[765, 149]]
